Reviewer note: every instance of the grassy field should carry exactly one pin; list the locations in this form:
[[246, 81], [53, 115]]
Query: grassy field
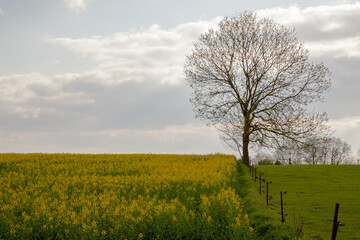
[[312, 192], [72, 196]]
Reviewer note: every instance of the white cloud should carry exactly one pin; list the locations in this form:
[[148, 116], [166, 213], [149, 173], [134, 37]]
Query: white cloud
[[76, 5], [157, 54], [1, 11], [348, 47], [28, 94], [348, 129], [147, 54], [346, 124], [327, 18], [331, 33], [330, 30], [16, 88], [287, 16]]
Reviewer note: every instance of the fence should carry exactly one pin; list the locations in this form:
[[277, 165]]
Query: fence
[[296, 212]]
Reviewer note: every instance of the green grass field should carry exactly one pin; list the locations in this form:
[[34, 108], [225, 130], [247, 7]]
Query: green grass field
[[312, 194]]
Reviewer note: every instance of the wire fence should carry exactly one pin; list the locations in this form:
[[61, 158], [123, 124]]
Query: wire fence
[[306, 217]]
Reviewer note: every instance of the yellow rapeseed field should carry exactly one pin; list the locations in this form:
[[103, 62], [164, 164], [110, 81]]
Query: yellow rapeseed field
[[111, 196]]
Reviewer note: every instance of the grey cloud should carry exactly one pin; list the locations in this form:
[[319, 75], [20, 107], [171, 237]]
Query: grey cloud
[[42, 91], [29, 94], [331, 33], [129, 117], [132, 104], [341, 24], [321, 23], [343, 98], [133, 97]]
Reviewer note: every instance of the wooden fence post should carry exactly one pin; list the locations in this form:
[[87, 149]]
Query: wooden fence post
[[260, 183], [255, 174], [335, 222], [267, 193], [282, 209]]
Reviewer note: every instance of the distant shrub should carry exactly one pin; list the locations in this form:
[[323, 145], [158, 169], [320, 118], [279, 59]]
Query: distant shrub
[[277, 162], [265, 162]]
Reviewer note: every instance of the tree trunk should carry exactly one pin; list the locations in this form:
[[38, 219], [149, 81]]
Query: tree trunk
[[246, 140]]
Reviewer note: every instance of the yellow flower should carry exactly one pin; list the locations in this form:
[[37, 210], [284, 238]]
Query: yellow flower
[[133, 194], [93, 224], [238, 221]]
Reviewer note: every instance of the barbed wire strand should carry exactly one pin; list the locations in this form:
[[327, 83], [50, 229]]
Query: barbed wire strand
[[295, 223], [309, 207], [298, 200], [275, 206]]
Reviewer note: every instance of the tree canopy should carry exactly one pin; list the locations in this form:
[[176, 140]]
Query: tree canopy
[[251, 79]]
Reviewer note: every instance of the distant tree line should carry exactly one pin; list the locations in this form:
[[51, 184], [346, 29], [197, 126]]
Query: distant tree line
[[327, 150]]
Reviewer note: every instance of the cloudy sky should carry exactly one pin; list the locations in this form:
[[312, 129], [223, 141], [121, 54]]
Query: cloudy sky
[[107, 75]]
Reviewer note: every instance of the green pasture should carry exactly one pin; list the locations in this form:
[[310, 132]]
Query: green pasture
[[312, 192]]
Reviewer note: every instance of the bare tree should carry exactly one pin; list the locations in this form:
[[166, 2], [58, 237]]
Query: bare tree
[[339, 151], [315, 150], [251, 79], [230, 134], [263, 158], [289, 153]]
